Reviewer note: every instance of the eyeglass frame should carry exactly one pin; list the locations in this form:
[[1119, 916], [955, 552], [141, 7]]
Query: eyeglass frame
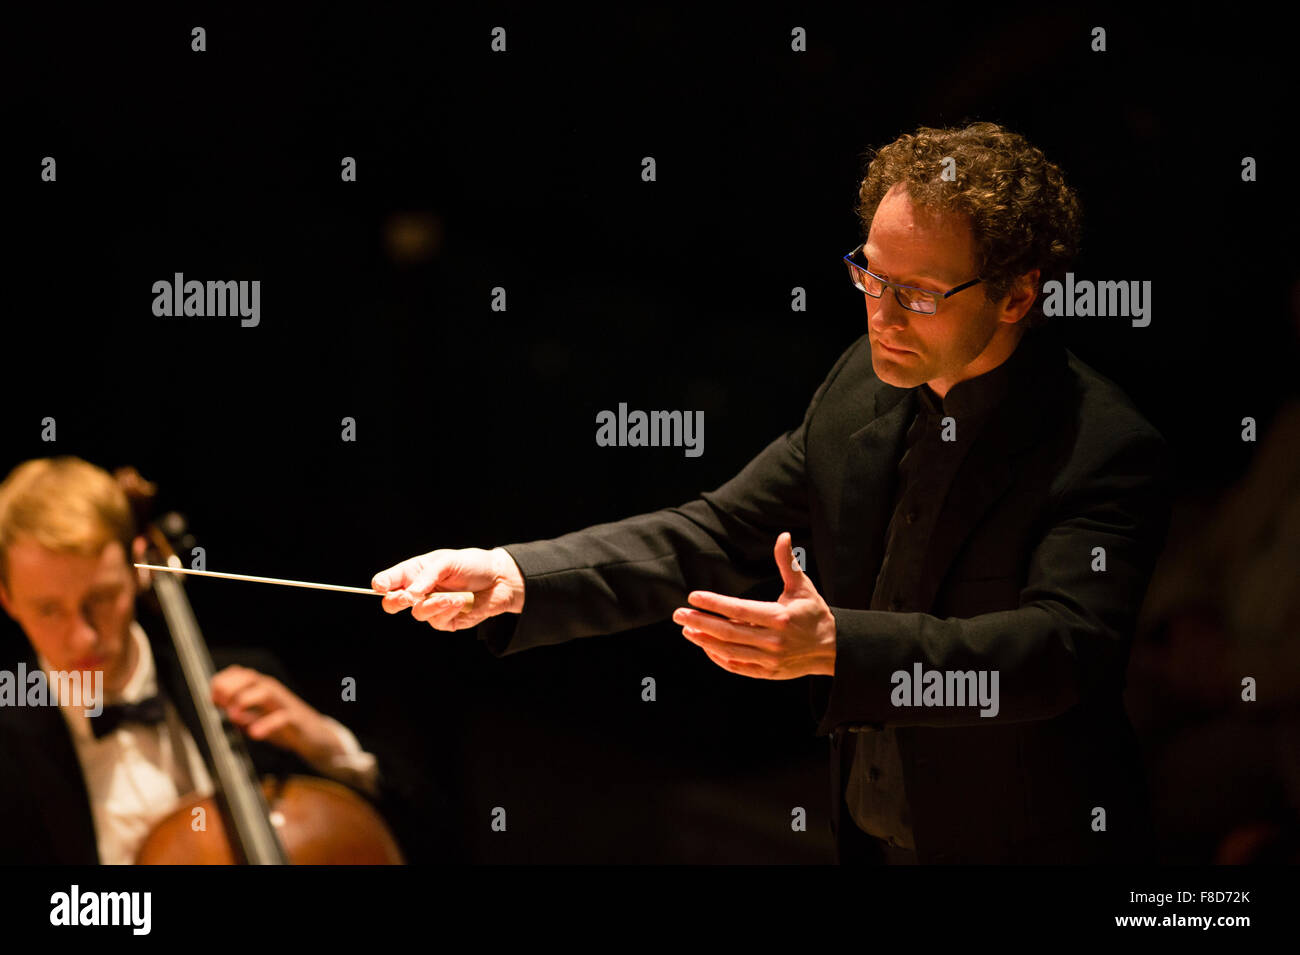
[[939, 297]]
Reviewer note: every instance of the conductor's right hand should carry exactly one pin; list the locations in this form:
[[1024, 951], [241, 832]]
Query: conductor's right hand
[[492, 576]]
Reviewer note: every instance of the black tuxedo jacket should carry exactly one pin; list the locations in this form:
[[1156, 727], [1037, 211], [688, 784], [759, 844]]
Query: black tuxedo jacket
[[1064, 466], [45, 814]]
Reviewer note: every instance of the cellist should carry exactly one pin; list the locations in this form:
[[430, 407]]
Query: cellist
[[85, 789]]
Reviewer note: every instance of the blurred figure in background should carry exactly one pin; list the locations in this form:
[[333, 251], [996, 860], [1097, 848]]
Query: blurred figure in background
[[1224, 605]]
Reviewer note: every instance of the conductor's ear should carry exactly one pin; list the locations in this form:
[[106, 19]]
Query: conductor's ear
[[1021, 297]]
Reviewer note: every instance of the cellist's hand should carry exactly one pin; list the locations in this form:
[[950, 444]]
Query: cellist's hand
[[264, 708]]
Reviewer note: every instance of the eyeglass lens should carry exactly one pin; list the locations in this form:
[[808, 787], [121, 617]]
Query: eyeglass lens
[[909, 299]]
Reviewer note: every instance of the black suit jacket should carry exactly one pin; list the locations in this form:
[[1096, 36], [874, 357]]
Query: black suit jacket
[[1065, 465], [45, 814]]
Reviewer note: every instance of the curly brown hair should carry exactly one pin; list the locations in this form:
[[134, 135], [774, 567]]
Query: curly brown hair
[[1023, 214]]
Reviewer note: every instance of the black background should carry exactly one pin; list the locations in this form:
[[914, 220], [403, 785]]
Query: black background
[[475, 428]]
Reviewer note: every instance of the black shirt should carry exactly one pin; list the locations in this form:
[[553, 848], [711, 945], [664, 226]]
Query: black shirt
[[938, 439]]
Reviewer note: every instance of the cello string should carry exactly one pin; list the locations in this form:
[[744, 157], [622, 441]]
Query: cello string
[[467, 594]]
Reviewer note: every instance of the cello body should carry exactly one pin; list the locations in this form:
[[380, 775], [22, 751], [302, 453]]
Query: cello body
[[318, 822]]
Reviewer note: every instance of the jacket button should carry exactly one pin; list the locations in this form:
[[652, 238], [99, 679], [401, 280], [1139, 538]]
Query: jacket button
[[873, 773], [910, 517]]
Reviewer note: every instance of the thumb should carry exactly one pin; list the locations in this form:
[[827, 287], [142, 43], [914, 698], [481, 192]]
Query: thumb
[[791, 574], [383, 580], [401, 575]]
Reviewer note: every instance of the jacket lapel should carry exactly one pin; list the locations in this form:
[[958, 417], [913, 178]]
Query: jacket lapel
[[871, 470]]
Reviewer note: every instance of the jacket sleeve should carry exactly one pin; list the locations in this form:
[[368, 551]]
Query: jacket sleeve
[[630, 573], [1068, 639]]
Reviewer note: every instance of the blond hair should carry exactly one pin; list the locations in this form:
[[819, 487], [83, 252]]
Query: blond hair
[[64, 504]]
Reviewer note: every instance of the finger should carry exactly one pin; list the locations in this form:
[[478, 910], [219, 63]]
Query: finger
[[761, 613], [731, 666], [395, 601], [258, 694], [270, 724], [471, 616], [230, 681], [433, 571], [727, 630], [791, 573], [731, 651], [243, 718], [438, 607]]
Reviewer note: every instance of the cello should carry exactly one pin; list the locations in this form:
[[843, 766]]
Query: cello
[[300, 820]]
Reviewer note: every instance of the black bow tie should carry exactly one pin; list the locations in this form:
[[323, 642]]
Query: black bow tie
[[146, 711]]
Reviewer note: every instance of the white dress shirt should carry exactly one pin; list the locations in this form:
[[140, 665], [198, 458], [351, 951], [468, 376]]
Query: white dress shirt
[[139, 773]]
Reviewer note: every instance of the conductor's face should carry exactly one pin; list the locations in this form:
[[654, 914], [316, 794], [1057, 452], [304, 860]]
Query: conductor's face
[[76, 610], [968, 335]]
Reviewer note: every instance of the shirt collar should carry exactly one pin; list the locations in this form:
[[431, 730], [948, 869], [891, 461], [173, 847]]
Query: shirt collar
[[983, 393], [143, 683]]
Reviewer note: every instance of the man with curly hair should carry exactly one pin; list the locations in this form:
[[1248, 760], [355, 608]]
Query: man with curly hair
[[983, 512]]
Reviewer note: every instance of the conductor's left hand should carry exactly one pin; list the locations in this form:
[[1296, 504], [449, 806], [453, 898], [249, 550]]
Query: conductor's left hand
[[790, 637]]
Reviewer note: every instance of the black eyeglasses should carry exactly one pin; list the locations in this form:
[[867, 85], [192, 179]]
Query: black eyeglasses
[[911, 298]]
